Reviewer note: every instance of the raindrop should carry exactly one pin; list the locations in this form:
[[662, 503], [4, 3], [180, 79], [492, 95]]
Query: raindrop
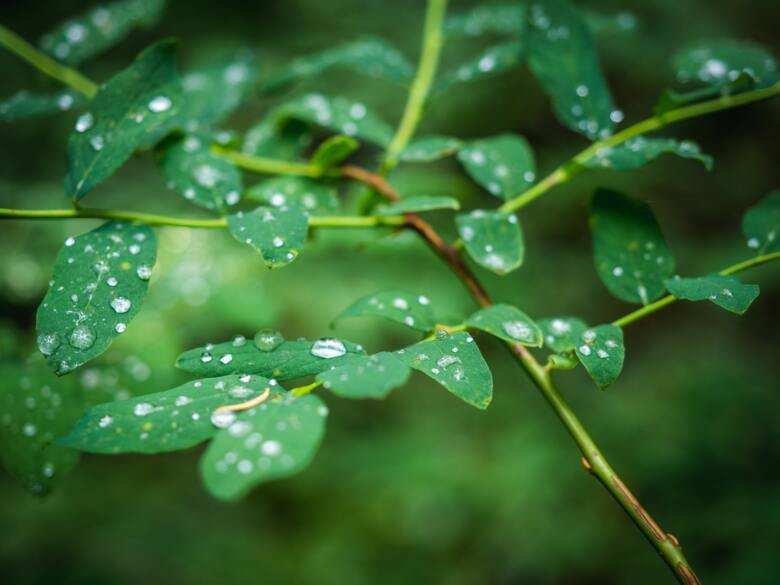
[[271, 448], [143, 272], [268, 339], [120, 327], [328, 348], [226, 359], [84, 122], [29, 430], [205, 357], [48, 343], [121, 304], [160, 104], [105, 421], [517, 330], [142, 409], [223, 418], [97, 142], [239, 340], [111, 281], [82, 337]]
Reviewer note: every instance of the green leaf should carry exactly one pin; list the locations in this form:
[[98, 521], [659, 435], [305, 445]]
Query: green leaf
[[493, 239], [370, 56], [316, 197], [639, 151], [761, 224], [99, 283], [134, 107], [417, 204], [172, 420], [601, 350], [722, 61], [508, 323], [725, 291], [213, 91], [488, 63], [561, 334], [429, 148], [456, 363], [334, 150], [620, 22], [271, 138], [629, 250], [338, 114], [400, 306], [366, 376], [277, 233], [504, 164], [286, 360], [562, 55], [200, 176], [273, 441], [498, 19], [23, 104], [100, 28]]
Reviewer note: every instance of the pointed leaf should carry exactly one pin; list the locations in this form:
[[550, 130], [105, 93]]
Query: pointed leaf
[[493, 239], [418, 204], [172, 420], [508, 323], [277, 233], [334, 150], [402, 307], [629, 250], [561, 334], [429, 148], [725, 291], [722, 61], [503, 164], [199, 175], [456, 363], [761, 224], [562, 55], [639, 151], [100, 28], [23, 104], [366, 376], [316, 197], [288, 359], [273, 441], [601, 351], [488, 63], [134, 107], [99, 283]]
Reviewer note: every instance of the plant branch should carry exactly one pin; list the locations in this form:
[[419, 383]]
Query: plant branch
[[421, 86], [358, 221], [269, 166], [566, 171], [62, 73], [643, 312]]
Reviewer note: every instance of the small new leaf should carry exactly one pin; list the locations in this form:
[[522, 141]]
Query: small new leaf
[[429, 149], [639, 151], [493, 239], [99, 283], [725, 291], [629, 250], [456, 363], [504, 164], [277, 233], [418, 204], [366, 376], [601, 350], [400, 306], [508, 323], [761, 225], [334, 150]]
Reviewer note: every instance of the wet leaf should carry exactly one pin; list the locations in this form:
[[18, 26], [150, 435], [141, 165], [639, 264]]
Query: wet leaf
[[508, 323], [316, 197], [489, 62], [134, 107], [172, 420], [334, 150], [562, 56], [400, 306], [725, 291], [601, 350], [498, 19], [721, 62], [98, 29], [99, 283], [24, 104], [629, 250], [639, 151], [271, 138], [418, 204], [199, 175], [561, 334], [504, 164], [493, 239], [278, 233], [366, 376], [761, 225], [283, 360], [273, 441], [429, 148], [456, 363]]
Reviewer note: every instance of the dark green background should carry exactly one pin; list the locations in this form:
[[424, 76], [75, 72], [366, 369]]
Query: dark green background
[[421, 488]]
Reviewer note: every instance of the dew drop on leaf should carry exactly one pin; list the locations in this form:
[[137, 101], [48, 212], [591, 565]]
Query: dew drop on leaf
[[223, 418], [160, 104], [48, 342], [82, 337], [328, 348], [121, 304], [84, 122], [143, 272], [268, 339]]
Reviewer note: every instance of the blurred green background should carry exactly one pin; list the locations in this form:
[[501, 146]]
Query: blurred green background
[[421, 488]]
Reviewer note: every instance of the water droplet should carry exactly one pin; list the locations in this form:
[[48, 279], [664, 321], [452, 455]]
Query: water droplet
[[441, 334], [29, 430], [105, 421], [120, 327], [585, 350], [82, 337], [226, 359], [48, 469], [268, 339], [222, 419], [84, 122], [70, 241], [48, 343], [400, 303], [328, 348], [182, 400], [111, 281], [160, 103], [271, 448], [206, 357], [143, 272], [423, 300], [142, 409], [97, 142], [134, 249], [121, 304], [239, 340], [517, 330]]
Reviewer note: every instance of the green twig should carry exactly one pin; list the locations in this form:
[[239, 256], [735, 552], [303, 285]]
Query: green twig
[[46, 64], [268, 166]]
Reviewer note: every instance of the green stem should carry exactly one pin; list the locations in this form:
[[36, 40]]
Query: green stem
[[359, 221], [432, 42], [304, 390], [566, 171], [635, 316], [268, 166], [46, 64]]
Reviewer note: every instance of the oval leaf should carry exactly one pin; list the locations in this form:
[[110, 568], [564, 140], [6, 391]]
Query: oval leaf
[[366, 376], [493, 239], [400, 306], [508, 323], [761, 225], [316, 197], [504, 165], [725, 291], [277, 233], [601, 351]]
